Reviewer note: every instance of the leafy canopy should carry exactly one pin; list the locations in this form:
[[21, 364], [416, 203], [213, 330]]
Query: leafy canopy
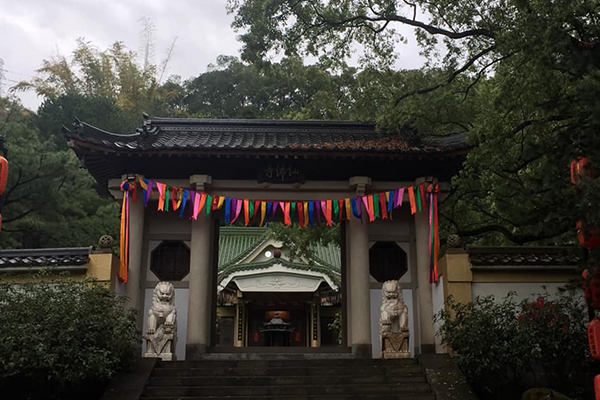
[[519, 76]]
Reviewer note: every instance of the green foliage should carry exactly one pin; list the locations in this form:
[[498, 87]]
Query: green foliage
[[49, 201], [63, 339], [336, 327], [519, 77], [504, 347], [287, 89], [113, 74], [300, 241]]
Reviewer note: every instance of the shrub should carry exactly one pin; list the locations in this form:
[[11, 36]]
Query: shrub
[[62, 339], [505, 347]]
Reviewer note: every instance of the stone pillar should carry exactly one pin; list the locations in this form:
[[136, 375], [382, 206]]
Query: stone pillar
[[134, 287], [424, 290], [315, 329], [360, 320], [239, 324], [200, 281]]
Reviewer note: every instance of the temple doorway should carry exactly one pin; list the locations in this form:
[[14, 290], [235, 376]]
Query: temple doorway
[[270, 298]]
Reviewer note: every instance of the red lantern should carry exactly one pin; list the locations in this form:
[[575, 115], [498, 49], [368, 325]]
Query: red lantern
[[594, 338], [255, 336], [588, 239], [580, 168], [597, 387], [297, 337], [591, 288]]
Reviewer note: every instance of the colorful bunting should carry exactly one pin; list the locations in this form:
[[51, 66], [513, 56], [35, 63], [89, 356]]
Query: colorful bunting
[[377, 205]]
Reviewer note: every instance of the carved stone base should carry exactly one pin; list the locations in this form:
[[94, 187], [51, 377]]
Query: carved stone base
[[395, 345], [160, 346]]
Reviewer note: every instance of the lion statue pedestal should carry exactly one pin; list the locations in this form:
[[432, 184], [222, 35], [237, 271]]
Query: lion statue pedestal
[[161, 335], [393, 322]]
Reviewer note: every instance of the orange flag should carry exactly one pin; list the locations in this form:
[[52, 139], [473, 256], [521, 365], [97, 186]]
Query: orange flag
[[411, 197]]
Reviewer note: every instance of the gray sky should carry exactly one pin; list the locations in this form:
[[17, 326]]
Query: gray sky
[[32, 30]]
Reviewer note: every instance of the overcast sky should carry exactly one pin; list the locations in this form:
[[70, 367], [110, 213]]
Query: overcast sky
[[32, 30]]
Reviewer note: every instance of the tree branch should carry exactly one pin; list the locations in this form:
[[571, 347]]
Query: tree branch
[[449, 79]]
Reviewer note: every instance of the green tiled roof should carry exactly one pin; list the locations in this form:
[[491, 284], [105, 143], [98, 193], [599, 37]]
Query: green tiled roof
[[236, 243]]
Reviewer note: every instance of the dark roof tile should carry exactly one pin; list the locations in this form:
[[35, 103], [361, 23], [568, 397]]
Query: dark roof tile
[[69, 256], [231, 134], [524, 256]]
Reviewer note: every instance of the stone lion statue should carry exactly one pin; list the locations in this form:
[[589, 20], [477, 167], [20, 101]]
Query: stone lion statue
[[393, 321], [161, 334]]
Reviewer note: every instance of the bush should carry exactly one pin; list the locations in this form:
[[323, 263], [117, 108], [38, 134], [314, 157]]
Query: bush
[[505, 347], [62, 339]]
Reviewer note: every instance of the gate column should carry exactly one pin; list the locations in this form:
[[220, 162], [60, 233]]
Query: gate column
[[200, 281], [424, 290], [133, 287], [360, 286]]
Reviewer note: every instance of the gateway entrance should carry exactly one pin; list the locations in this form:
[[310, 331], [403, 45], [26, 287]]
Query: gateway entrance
[[269, 298]]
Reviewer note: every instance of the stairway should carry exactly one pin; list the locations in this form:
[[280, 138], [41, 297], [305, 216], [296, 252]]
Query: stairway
[[316, 379]]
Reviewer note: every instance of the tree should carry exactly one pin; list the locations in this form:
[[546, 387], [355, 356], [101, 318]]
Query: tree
[[524, 74], [287, 89], [112, 74], [49, 201]]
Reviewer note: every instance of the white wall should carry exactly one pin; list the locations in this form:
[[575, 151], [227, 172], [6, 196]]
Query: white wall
[[181, 303], [438, 304], [375, 311], [523, 290]]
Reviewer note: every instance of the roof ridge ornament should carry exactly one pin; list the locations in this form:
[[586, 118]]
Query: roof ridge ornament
[[77, 124], [146, 131]]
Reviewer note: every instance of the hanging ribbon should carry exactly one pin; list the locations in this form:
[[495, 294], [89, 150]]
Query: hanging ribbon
[[161, 196], [400, 198], [423, 198], [251, 209], [390, 201], [184, 198], [411, 198], [127, 187], [166, 201], [368, 202], [305, 208], [434, 240], [263, 212], [208, 200], [227, 209], [238, 210], [196, 208], [246, 213], [349, 208], [355, 208], [318, 212], [328, 211], [301, 214], [311, 210], [292, 211], [269, 206], [418, 201], [286, 213]]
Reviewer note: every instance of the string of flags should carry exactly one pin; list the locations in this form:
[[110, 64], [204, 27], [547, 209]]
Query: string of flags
[[421, 197]]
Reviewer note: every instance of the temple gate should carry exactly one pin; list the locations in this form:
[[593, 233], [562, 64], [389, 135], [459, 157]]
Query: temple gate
[[288, 161]]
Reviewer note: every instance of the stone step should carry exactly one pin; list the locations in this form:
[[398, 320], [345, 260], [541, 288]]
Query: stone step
[[317, 397], [286, 363], [360, 370], [305, 390], [285, 380]]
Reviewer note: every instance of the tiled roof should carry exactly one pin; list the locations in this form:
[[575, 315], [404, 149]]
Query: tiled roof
[[58, 257], [524, 256], [237, 242], [265, 135]]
